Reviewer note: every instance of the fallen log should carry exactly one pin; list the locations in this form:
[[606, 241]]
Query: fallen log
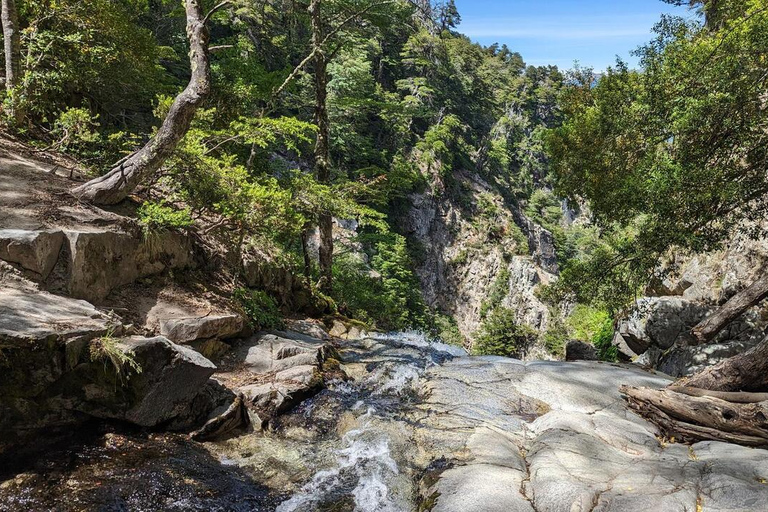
[[689, 418]]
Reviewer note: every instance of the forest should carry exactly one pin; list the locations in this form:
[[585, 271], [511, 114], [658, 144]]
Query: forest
[[344, 169]]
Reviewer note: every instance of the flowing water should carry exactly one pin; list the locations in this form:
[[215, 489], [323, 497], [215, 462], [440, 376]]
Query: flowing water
[[349, 448], [355, 437]]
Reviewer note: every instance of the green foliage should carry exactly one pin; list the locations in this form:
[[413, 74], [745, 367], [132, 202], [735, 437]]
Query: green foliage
[[260, 309], [385, 294], [672, 154], [445, 329], [501, 335], [106, 349], [556, 336], [498, 291], [603, 342], [586, 322], [160, 216]]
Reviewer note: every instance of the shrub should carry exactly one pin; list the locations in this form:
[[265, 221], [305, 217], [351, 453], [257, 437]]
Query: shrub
[[446, 329], [603, 342], [556, 336], [499, 290], [501, 335], [159, 216], [260, 308], [106, 349]]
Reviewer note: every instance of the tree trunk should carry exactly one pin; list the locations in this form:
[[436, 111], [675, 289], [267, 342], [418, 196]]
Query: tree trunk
[[726, 402], [690, 418], [322, 146], [115, 186], [12, 48], [744, 372], [731, 310]]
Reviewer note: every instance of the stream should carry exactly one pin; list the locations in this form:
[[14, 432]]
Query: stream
[[349, 448]]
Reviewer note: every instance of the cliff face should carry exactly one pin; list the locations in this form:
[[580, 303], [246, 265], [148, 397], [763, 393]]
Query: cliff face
[[479, 251]]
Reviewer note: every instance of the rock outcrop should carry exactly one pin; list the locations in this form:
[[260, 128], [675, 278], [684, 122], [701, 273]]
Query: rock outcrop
[[560, 438], [63, 362], [277, 371], [686, 290]]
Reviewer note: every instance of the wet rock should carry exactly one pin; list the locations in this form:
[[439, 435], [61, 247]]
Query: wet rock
[[277, 371], [187, 330], [35, 251], [576, 350]]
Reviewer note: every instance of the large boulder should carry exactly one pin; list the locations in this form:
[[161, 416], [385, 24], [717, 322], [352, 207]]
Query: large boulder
[[34, 251], [158, 384], [187, 330], [576, 350], [63, 362], [665, 322]]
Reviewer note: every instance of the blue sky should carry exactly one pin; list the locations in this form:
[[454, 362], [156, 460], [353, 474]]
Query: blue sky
[[561, 31]]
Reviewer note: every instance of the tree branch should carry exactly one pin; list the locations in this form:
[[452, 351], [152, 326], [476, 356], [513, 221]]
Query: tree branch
[[215, 8]]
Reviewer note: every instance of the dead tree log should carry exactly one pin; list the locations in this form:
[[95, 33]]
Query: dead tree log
[[689, 418], [115, 186], [706, 331], [744, 372]]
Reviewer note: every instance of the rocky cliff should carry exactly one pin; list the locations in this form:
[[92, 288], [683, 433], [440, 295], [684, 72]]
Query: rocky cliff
[[479, 251]]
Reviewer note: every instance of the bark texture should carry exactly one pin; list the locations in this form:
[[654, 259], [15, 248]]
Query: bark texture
[[322, 146], [699, 418], [731, 310], [118, 183], [12, 49], [744, 372]]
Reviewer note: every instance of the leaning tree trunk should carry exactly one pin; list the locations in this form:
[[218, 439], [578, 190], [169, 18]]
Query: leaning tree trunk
[[115, 186], [12, 48], [322, 146], [731, 310]]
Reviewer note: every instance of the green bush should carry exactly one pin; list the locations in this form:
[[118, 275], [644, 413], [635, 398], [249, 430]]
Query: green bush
[[586, 322], [603, 342], [260, 308], [446, 330], [501, 335], [557, 336], [499, 290], [155, 217], [386, 294]]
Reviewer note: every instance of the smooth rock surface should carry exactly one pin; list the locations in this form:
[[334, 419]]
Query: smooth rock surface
[[569, 443]]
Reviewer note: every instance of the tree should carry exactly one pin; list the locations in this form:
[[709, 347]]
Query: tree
[[675, 156], [12, 47], [324, 34], [115, 186]]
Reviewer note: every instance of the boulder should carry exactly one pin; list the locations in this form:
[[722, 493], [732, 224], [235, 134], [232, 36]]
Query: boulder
[[35, 251], [277, 371], [338, 329], [577, 350], [308, 327], [64, 362], [166, 379], [187, 330]]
